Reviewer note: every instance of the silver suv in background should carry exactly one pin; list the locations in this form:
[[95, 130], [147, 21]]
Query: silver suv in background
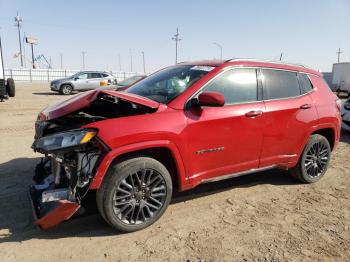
[[82, 81]]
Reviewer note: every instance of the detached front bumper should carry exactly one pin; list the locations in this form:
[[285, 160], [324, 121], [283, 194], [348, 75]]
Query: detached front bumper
[[50, 214]]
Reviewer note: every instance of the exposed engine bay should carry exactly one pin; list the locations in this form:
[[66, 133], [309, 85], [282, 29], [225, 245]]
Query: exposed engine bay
[[72, 154]]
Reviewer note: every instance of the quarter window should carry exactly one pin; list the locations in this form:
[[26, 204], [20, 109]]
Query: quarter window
[[237, 85], [305, 83], [279, 84]]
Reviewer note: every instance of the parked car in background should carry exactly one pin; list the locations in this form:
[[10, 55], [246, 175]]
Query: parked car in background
[[345, 114], [122, 85], [191, 123], [341, 78], [82, 81]]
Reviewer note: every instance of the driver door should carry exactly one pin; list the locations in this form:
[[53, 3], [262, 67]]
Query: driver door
[[228, 139], [80, 82]]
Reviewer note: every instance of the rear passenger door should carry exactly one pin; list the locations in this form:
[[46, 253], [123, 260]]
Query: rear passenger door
[[94, 80], [289, 114]]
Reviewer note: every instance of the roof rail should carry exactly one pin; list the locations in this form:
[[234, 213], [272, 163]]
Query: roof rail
[[265, 60]]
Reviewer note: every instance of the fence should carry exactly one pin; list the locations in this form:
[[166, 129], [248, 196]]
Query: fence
[[30, 75]]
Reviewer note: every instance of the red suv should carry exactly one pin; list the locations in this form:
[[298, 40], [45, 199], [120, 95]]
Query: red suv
[[187, 124]]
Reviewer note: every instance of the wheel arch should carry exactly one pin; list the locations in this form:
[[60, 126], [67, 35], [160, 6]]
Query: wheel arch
[[68, 83], [165, 152], [328, 133]]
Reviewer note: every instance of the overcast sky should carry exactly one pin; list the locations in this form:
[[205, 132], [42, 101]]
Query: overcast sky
[[307, 32]]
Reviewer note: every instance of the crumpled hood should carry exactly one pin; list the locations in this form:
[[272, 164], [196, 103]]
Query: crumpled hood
[[85, 99]]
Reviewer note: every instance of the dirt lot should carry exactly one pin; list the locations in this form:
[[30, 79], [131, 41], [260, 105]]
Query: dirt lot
[[261, 217]]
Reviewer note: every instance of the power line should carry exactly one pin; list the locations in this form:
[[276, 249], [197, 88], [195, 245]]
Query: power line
[[177, 39], [18, 23]]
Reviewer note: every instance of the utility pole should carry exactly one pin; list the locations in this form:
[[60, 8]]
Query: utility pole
[[281, 56], [220, 47], [120, 64], [177, 39], [33, 61], [130, 60], [338, 53], [83, 54], [143, 60], [24, 49], [61, 58], [18, 23]]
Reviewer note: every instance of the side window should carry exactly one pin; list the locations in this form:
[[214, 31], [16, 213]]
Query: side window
[[305, 83], [83, 76], [237, 85], [105, 75], [279, 84], [94, 75]]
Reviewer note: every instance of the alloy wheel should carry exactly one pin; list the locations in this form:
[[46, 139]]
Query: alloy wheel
[[139, 197], [316, 159]]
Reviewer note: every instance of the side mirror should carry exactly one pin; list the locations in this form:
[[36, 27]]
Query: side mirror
[[75, 78], [210, 98]]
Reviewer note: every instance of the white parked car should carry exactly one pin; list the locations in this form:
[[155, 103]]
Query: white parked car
[[345, 114], [82, 81]]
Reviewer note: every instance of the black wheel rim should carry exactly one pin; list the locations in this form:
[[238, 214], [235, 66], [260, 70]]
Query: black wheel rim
[[139, 197], [316, 159]]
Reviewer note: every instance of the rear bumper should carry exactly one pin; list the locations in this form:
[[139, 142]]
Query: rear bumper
[[49, 214]]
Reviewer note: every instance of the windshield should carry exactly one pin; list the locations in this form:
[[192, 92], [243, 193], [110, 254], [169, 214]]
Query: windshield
[[168, 83]]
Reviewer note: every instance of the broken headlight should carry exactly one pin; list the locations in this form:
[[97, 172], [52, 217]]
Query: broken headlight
[[64, 140]]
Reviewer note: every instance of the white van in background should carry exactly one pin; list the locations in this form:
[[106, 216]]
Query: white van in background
[[341, 78]]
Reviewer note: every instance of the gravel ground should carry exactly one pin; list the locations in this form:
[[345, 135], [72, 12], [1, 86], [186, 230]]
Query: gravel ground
[[261, 217]]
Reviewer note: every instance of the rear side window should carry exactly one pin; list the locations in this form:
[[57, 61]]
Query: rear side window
[[279, 84], [237, 85], [305, 83], [94, 75], [104, 75]]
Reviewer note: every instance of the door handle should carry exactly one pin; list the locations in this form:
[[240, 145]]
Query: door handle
[[305, 106], [254, 113]]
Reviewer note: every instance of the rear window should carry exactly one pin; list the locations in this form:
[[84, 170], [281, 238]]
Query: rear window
[[279, 84]]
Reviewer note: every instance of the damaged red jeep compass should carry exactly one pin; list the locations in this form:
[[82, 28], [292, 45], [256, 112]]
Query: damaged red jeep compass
[[187, 124]]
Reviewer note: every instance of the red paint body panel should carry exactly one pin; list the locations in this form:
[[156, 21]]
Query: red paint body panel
[[209, 142], [64, 211]]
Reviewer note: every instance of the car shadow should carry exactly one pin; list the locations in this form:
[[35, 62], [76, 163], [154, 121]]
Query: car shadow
[[16, 216], [48, 94]]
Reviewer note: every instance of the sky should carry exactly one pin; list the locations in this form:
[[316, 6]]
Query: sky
[[307, 32]]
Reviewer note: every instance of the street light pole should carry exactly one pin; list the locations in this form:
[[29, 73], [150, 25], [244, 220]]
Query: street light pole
[[83, 54], [61, 56], [130, 60], [33, 62], [18, 23], [220, 47], [144, 64]]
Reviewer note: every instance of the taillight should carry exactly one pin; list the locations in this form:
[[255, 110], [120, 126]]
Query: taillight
[[338, 102]]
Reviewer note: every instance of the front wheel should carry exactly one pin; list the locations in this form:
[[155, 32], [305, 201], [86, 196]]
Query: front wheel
[[66, 89], [314, 160], [134, 194], [10, 87]]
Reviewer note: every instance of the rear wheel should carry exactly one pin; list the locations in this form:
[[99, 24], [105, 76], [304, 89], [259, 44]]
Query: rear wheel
[[135, 194], [66, 89], [314, 160], [10, 87]]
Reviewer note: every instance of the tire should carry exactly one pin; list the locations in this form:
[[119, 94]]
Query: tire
[[314, 161], [66, 89], [134, 194], [10, 87]]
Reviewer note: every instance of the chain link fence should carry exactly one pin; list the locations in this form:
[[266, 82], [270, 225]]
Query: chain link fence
[[47, 75]]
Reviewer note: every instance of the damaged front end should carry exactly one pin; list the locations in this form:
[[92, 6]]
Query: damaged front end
[[72, 152], [62, 177]]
